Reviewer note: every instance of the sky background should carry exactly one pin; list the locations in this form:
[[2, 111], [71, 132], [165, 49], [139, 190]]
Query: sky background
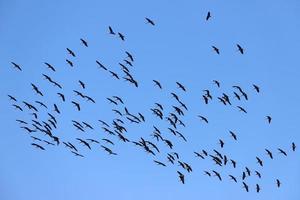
[[177, 48]]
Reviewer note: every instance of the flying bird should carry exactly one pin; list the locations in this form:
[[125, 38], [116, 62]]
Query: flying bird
[[241, 50], [111, 31], [216, 49], [208, 16], [84, 42], [71, 52], [269, 119], [121, 36], [16, 66], [149, 21]]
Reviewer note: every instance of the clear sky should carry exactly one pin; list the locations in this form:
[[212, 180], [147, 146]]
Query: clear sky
[[177, 48]]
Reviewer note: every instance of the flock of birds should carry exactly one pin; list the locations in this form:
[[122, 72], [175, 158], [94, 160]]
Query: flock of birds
[[42, 127]]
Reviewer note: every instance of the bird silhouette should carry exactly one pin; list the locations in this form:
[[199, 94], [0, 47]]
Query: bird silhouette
[[16, 66], [84, 42], [149, 21], [216, 49], [241, 50], [71, 52], [208, 16]]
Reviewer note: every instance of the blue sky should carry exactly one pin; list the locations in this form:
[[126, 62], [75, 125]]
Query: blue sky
[[177, 48]]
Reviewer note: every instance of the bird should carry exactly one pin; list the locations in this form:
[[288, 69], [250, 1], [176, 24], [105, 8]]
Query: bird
[[12, 98], [259, 161], [71, 52], [157, 83], [61, 96], [293, 146], [278, 183], [149, 21], [216, 49], [217, 174], [181, 176], [50, 66], [257, 188], [159, 163], [76, 104], [256, 88], [181, 86], [84, 142], [208, 15], [233, 135], [242, 109], [246, 187], [111, 31], [269, 119], [121, 36], [233, 178], [69, 62], [203, 118], [101, 65], [241, 50], [16, 66], [82, 84], [129, 55], [217, 83], [84, 42], [282, 152], [221, 143], [38, 146], [269, 153]]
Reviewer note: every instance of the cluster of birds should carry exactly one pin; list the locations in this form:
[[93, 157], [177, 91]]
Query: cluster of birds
[[43, 125]]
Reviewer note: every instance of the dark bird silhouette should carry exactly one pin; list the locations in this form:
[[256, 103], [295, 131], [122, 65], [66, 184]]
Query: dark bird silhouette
[[237, 96], [129, 55], [112, 101], [149, 21], [233, 163], [293, 146], [241, 50], [16, 66], [181, 176], [282, 152], [278, 183], [258, 174], [203, 118], [108, 141], [38, 146], [207, 173], [256, 88], [71, 52], [93, 141], [21, 121], [181, 86], [111, 30], [84, 42], [259, 161], [28, 129], [269, 153], [83, 142], [56, 108], [233, 178], [242, 109], [217, 83], [216, 49], [50, 66], [233, 135], [61, 96], [114, 74], [82, 84], [108, 150], [159, 163], [41, 104], [257, 188], [76, 104], [217, 175], [205, 99], [208, 16], [157, 83], [12, 98], [269, 119], [121, 36], [69, 62], [35, 138], [221, 143], [77, 154], [246, 187], [101, 65]]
